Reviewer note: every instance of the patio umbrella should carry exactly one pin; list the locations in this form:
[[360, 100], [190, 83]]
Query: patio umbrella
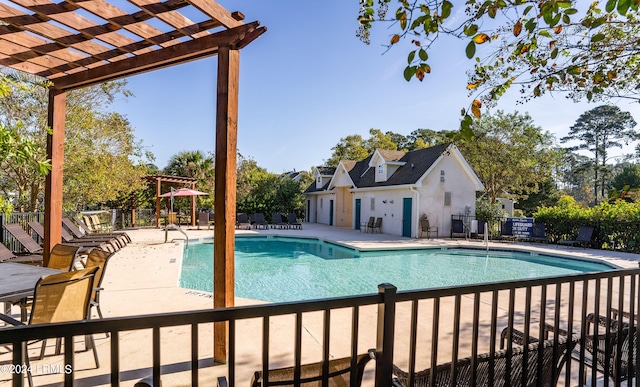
[[181, 192]]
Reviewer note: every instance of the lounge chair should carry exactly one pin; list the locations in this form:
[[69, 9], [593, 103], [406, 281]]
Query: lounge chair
[[203, 220], [27, 242], [96, 225], [341, 373], [86, 243], [242, 221], [7, 255], [50, 307], [539, 233], [276, 221], [83, 231], [377, 226], [497, 366], [293, 221], [259, 221], [366, 227], [583, 239]]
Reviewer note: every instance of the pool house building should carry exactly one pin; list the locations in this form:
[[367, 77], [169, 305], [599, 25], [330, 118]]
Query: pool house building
[[398, 187]]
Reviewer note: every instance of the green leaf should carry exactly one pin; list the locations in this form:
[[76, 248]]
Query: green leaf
[[572, 11], [530, 25], [611, 5], [526, 10], [423, 54], [411, 57], [466, 127], [409, 72], [596, 38], [471, 30], [566, 19], [471, 49], [554, 53], [446, 9], [598, 22], [623, 6], [545, 33]]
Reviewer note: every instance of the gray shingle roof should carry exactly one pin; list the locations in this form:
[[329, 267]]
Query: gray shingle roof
[[416, 164]]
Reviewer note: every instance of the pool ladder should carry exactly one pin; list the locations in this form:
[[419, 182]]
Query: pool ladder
[[486, 235]]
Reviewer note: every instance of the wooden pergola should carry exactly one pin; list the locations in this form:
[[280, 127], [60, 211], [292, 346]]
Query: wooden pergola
[[75, 44], [158, 180]]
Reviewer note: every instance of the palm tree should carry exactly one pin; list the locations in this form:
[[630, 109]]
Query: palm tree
[[196, 165]]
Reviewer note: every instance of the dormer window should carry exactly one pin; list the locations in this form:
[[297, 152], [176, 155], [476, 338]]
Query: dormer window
[[380, 169]]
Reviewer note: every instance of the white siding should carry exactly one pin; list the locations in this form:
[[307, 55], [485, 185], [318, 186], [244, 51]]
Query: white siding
[[432, 192]]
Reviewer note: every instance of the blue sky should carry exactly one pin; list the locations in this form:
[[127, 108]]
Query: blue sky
[[306, 83]]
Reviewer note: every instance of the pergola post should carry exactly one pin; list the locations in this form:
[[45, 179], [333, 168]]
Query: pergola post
[[53, 182], [158, 186], [225, 191], [193, 206]]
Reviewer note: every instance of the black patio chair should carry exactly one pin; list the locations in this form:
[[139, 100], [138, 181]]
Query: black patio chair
[[277, 221], [259, 221], [539, 233], [457, 228], [583, 239], [293, 221]]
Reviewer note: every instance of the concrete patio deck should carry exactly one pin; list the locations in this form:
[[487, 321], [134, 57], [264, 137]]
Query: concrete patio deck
[[142, 279]]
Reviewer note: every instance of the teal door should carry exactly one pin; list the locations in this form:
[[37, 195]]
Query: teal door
[[357, 220], [406, 217], [330, 212]]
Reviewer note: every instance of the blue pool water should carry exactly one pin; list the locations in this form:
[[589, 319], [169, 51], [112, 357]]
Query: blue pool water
[[279, 269]]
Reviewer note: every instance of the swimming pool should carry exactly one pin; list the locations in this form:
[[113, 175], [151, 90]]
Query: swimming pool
[[279, 269]]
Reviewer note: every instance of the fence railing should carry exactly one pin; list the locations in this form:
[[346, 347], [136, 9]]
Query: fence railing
[[413, 330], [118, 219]]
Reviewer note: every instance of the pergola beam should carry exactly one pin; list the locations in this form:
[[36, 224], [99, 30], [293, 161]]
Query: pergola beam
[[80, 43], [179, 53]]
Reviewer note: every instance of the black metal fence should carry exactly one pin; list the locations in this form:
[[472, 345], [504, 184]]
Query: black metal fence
[[413, 330], [118, 219]]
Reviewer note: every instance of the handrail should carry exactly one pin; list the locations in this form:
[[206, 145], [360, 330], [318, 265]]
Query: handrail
[[175, 227]]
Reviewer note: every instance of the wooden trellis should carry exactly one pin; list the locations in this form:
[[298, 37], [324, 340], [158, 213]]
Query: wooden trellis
[[79, 43]]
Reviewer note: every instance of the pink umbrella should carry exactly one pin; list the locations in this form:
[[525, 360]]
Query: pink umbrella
[[182, 192]]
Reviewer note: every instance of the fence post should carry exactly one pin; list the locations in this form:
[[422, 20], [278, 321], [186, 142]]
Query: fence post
[[385, 334]]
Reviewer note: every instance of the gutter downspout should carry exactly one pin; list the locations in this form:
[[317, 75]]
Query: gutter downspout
[[416, 222]]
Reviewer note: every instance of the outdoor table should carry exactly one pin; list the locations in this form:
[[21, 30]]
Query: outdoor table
[[18, 280]]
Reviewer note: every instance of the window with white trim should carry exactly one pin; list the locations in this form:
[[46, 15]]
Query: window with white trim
[[373, 204]]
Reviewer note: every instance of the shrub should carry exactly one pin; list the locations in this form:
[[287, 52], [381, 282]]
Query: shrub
[[616, 225]]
